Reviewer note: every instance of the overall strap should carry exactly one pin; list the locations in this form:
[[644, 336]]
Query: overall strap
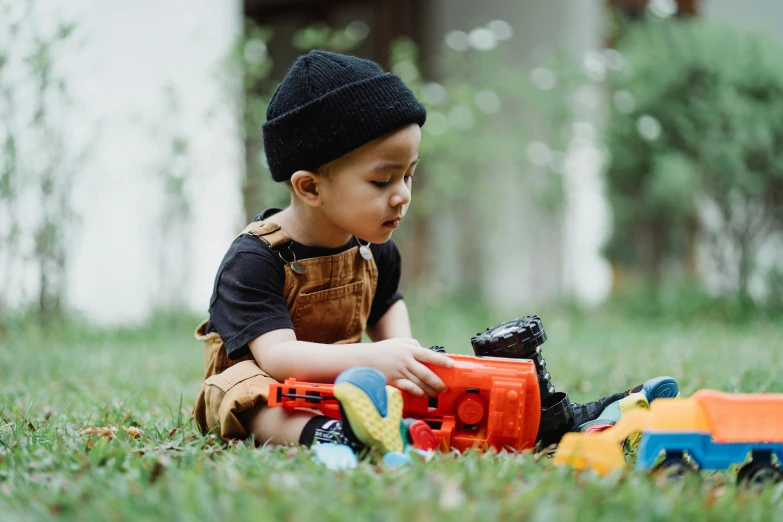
[[269, 233]]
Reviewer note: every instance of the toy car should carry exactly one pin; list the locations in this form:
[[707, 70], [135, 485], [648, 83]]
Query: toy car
[[715, 430]]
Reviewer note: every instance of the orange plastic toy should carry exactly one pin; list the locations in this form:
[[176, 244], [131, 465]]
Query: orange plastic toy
[[489, 402]]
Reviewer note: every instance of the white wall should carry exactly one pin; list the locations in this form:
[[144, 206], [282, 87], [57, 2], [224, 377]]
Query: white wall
[[534, 257], [132, 49], [586, 274]]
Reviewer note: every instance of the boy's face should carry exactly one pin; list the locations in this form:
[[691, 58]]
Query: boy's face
[[367, 191]]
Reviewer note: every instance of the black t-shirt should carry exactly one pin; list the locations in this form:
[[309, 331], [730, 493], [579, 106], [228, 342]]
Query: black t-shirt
[[247, 299]]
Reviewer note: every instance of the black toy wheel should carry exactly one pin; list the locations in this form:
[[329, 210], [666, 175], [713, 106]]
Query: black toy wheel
[[759, 474], [674, 467], [517, 339]]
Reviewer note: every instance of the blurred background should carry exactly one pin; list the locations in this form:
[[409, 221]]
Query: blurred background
[[577, 153], [614, 166]]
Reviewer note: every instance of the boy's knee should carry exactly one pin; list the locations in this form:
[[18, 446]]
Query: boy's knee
[[225, 398]]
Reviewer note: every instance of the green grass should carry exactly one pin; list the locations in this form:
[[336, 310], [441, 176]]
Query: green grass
[[55, 384]]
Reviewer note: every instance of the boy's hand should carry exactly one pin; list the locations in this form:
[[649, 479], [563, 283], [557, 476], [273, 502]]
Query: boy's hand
[[401, 360]]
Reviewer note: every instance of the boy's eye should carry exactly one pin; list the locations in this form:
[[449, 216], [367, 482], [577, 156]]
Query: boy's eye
[[382, 184]]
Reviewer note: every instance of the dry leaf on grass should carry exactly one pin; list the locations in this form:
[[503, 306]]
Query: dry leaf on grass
[[104, 431], [111, 431], [134, 432]]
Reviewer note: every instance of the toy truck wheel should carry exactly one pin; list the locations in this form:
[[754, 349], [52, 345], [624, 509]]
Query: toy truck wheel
[[517, 339], [674, 466], [759, 474]]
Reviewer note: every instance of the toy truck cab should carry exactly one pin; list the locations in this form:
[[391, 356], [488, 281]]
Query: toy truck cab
[[488, 402]]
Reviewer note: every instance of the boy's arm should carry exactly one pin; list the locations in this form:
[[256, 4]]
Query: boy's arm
[[395, 323], [281, 356]]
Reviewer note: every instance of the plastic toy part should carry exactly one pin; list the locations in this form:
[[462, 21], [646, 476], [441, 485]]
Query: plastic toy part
[[471, 409], [517, 339], [420, 435], [488, 402], [557, 418], [373, 409], [759, 473], [335, 456], [395, 459], [715, 429], [522, 339], [599, 451]]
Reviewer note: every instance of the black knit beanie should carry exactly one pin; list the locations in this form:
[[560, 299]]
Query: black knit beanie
[[330, 104]]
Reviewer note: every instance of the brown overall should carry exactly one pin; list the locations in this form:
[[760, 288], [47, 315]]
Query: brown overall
[[329, 303]]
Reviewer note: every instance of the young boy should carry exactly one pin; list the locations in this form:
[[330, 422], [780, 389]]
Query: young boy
[[299, 286]]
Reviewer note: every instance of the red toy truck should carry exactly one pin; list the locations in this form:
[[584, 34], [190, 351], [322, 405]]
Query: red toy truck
[[500, 398]]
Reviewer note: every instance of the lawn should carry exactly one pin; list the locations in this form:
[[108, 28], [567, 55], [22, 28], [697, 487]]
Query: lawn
[[143, 381]]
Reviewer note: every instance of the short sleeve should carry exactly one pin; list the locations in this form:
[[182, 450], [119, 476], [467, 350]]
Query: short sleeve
[[248, 297], [389, 263]]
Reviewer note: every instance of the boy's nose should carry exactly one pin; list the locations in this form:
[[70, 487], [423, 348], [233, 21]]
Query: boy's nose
[[401, 196]]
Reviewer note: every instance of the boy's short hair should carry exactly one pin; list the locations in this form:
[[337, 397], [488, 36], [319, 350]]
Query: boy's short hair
[[330, 104]]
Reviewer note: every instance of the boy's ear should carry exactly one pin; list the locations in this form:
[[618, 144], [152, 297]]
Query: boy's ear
[[306, 185]]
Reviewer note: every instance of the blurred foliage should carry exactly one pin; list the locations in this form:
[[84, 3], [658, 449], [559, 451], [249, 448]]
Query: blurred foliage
[[38, 163], [486, 128], [485, 141], [480, 117], [695, 135], [680, 301], [251, 57]]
